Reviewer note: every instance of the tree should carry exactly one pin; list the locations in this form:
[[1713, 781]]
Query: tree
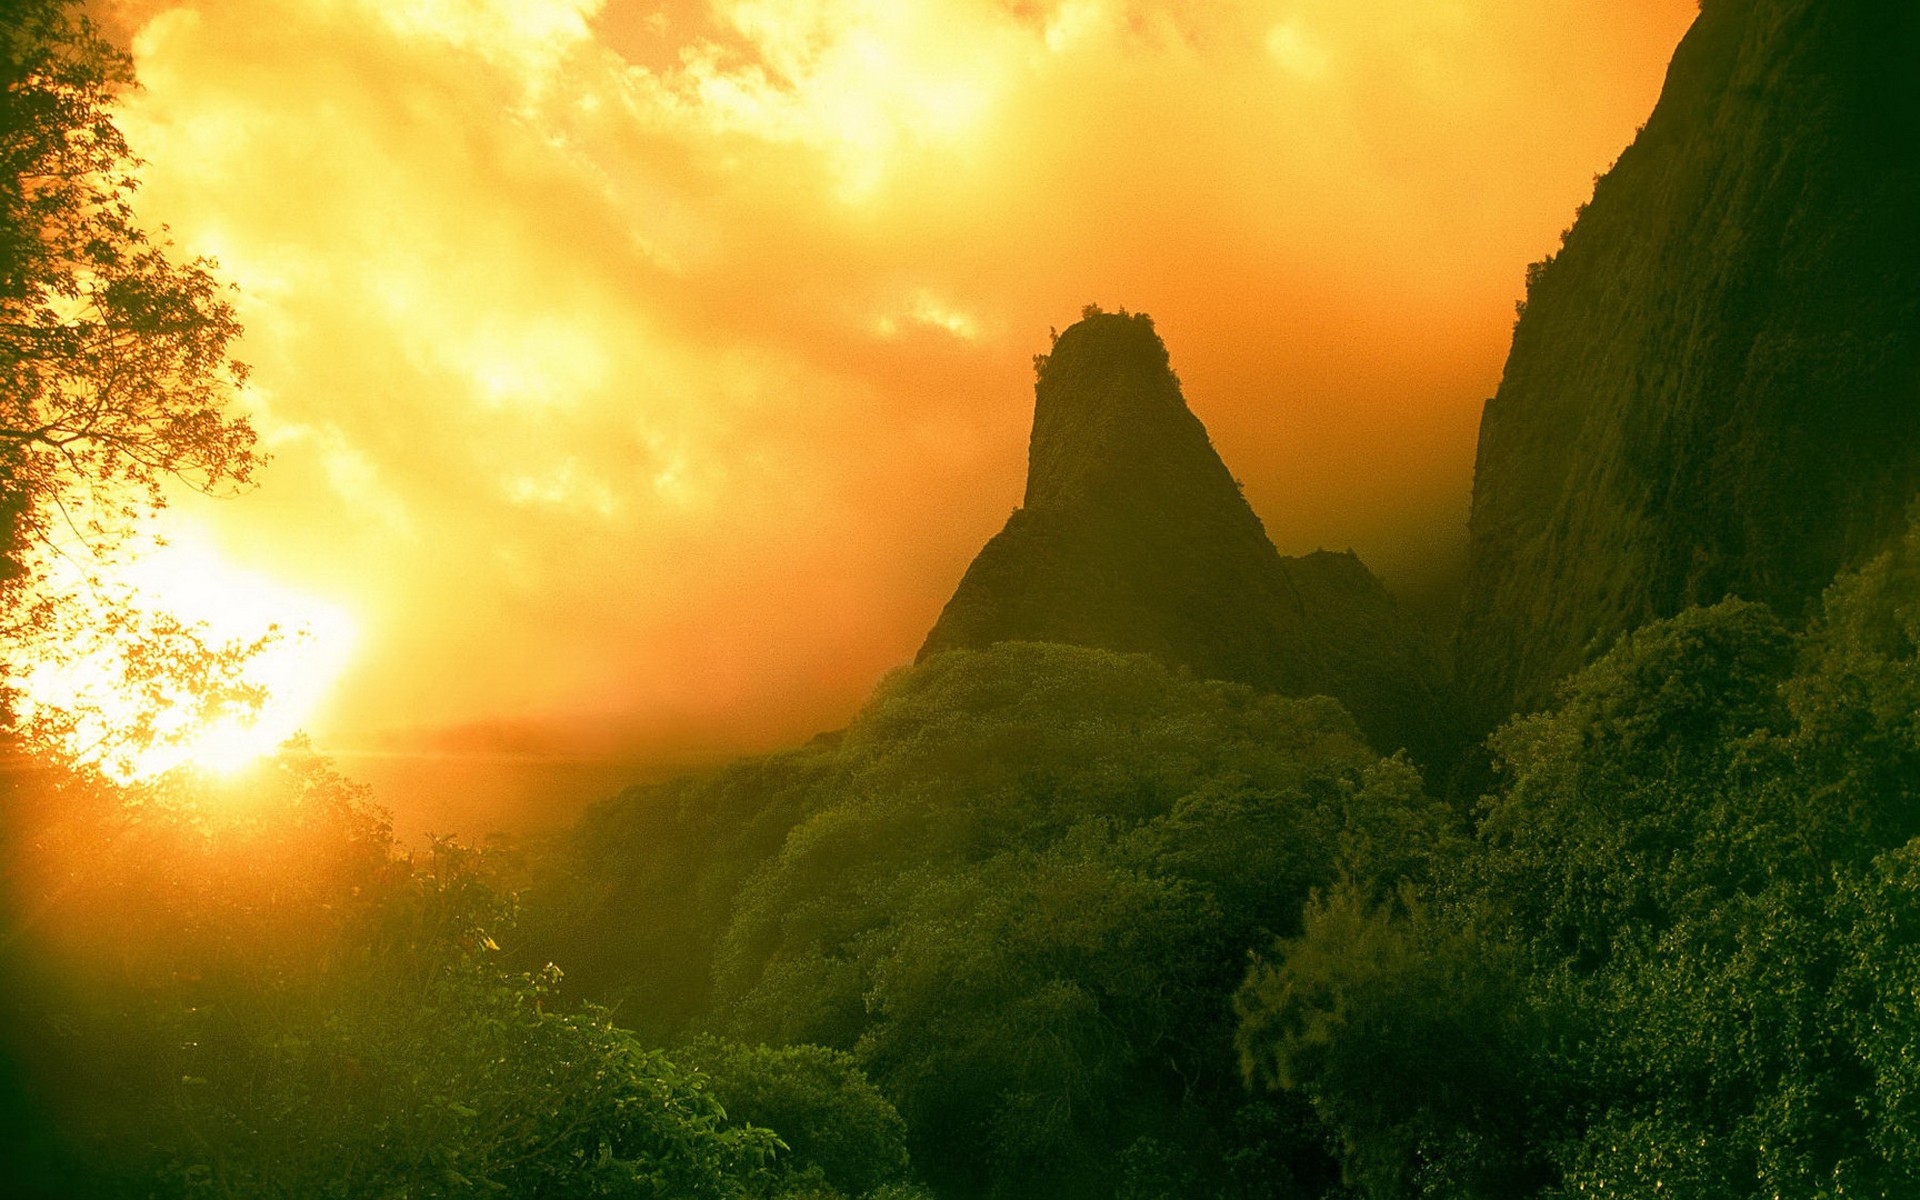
[[114, 367], [842, 1137], [114, 380], [1411, 1036]]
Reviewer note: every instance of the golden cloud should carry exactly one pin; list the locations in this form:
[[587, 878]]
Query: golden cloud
[[660, 365]]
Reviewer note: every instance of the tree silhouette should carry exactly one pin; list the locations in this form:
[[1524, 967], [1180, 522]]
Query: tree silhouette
[[115, 378], [114, 371]]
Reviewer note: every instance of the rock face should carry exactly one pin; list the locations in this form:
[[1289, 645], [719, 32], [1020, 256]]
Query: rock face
[[1134, 537], [1714, 387]]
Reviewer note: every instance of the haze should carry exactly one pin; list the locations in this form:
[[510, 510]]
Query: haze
[[641, 378]]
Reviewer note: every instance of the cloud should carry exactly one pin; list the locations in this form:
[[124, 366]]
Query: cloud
[[1297, 49], [660, 365]]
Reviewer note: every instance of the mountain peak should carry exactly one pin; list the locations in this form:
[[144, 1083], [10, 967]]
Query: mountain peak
[[1112, 429], [1133, 536]]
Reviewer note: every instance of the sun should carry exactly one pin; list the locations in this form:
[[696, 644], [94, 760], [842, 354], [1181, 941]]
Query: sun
[[284, 650]]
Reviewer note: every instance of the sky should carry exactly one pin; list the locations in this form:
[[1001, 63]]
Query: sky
[[640, 378]]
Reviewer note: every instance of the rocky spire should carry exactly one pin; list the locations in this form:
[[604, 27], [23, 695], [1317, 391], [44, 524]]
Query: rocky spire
[[1133, 536]]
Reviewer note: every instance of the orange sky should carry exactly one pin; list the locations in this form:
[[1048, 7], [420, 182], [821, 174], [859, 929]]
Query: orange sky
[[641, 377]]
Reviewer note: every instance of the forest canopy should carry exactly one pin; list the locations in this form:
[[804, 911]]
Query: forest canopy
[[1679, 954], [1018, 891]]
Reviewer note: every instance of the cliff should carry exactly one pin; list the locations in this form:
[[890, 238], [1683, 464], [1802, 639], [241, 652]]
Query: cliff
[[1714, 387]]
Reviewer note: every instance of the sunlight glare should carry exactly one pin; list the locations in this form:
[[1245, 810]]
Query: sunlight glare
[[188, 580]]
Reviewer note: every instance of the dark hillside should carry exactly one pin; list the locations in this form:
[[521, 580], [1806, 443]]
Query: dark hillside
[[1714, 388]]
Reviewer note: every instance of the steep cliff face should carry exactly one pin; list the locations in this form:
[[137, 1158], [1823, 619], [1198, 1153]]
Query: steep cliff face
[[1134, 537], [1714, 387]]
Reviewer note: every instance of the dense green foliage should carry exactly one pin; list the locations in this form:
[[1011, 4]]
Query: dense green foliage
[[1018, 890], [988, 936], [1682, 954], [842, 1134], [242, 991]]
